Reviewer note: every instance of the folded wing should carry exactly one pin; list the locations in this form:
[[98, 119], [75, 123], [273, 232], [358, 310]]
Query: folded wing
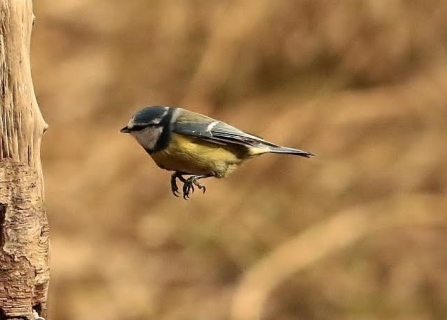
[[218, 132]]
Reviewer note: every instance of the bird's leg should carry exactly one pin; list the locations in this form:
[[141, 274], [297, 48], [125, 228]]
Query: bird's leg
[[192, 181], [174, 188]]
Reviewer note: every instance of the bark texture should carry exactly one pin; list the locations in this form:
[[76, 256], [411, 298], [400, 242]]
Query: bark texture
[[24, 234]]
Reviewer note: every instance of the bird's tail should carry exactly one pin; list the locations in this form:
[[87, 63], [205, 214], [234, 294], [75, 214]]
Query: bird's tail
[[285, 150]]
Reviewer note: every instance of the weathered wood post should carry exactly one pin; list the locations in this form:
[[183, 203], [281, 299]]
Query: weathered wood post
[[24, 235]]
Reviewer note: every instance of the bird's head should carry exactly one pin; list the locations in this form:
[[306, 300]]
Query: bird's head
[[147, 126]]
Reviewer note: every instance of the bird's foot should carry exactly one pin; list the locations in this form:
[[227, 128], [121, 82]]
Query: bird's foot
[[188, 186], [174, 186]]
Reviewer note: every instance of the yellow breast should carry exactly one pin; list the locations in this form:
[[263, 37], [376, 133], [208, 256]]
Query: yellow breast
[[194, 156]]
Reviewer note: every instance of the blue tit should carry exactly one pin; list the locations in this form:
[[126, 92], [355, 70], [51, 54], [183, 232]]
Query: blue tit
[[191, 144]]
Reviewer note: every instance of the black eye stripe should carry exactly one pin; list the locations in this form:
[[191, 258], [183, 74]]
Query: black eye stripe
[[139, 127]]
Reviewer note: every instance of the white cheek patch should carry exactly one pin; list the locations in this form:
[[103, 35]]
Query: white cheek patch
[[148, 137]]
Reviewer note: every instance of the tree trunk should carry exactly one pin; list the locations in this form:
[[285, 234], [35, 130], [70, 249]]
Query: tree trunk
[[24, 234]]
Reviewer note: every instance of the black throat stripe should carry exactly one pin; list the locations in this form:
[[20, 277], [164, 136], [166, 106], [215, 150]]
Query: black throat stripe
[[166, 133]]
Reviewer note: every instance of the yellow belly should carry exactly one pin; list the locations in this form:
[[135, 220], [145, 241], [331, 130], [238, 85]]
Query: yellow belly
[[194, 156]]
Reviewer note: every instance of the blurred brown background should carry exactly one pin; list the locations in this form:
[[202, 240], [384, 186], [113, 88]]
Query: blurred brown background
[[358, 232]]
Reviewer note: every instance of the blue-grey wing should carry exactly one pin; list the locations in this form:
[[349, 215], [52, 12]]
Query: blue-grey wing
[[218, 132]]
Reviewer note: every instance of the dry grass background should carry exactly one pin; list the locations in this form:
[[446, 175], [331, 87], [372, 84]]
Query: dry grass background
[[358, 232]]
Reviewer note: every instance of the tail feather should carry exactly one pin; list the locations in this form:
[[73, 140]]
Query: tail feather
[[286, 150]]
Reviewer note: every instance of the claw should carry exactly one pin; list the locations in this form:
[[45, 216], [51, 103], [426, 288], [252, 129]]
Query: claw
[[188, 188], [175, 192], [188, 184], [199, 185], [174, 186]]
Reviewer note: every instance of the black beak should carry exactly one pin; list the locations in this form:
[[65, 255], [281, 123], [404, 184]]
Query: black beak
[[125, 130]]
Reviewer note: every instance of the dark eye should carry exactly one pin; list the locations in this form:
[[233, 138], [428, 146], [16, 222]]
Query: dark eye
[[138, 127]]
